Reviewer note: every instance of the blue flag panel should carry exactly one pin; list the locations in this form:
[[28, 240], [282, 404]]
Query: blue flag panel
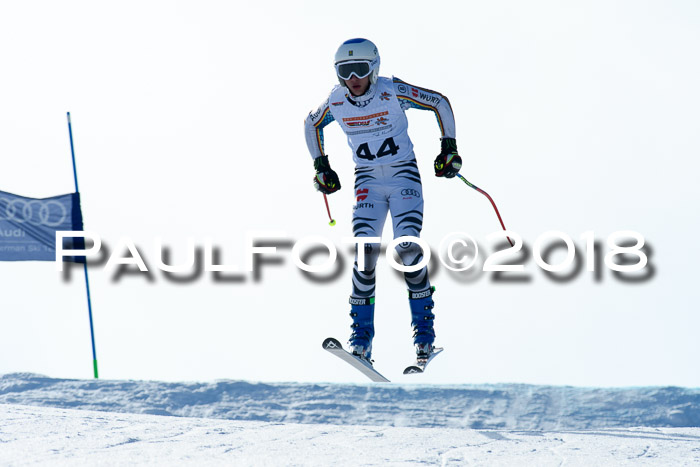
[[28, 226]]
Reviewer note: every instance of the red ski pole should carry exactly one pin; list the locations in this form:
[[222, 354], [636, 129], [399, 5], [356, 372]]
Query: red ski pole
[[332, 222], [492, 203]]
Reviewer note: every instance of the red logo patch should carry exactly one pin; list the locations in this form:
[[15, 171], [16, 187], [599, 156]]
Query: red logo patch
[[362, 194], [414, 91]]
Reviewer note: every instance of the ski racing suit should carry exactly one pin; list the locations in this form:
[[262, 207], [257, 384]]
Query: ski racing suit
[[386, 180]]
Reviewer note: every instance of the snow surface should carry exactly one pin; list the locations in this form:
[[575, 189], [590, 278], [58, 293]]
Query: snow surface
[[57, 421]]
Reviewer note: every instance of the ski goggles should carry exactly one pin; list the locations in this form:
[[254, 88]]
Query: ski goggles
[[346, 69]]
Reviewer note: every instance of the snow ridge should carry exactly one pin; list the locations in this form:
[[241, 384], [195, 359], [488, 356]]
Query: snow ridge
[[499, 406]]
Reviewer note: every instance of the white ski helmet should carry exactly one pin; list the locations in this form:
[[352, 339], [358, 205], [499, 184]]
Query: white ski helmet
[[357, 57]]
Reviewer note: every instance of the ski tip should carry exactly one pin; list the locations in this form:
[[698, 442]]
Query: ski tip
[[411, 370], [331, 343]]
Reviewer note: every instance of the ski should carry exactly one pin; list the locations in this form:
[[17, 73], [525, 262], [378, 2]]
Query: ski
[[419, 366], [336, 348]]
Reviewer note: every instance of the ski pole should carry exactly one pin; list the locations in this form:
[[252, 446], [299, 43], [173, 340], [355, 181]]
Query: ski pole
[[85, 267], [492, 203], [332, 222]]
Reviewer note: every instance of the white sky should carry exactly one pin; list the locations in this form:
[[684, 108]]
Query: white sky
[[574, 116]]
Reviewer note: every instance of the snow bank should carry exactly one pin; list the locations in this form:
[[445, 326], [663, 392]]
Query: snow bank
[[31, 435], [502, 406]]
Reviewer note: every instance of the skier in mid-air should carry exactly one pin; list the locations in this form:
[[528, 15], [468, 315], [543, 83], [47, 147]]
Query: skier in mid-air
[[371, 111]]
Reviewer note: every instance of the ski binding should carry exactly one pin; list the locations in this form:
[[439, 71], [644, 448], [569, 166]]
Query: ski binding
[[363, 366], [419, 366]]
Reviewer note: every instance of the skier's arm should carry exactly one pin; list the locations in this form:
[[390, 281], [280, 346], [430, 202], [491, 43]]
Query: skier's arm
[[313, 129], [448, 162], [414, 97], [326, 180]]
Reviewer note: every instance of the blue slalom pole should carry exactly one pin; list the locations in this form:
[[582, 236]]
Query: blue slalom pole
[[85, 268]]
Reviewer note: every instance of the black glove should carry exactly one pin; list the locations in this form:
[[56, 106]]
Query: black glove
[[326, 180], [448, 162]]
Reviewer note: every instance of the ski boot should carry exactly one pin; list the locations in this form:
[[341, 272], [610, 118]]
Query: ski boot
[[362, 314], [422, 304]]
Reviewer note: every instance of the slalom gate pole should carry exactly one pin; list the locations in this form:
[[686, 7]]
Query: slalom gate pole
[[490, 199], [85, 268], [332, 222]]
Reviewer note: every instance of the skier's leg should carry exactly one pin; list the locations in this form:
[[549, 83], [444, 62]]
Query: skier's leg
[[369, 215], [406, 204]]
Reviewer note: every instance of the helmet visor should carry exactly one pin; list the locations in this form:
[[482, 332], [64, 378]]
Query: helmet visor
[[346, 69]]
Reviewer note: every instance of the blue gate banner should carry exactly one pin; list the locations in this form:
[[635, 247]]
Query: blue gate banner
[[28, 226]]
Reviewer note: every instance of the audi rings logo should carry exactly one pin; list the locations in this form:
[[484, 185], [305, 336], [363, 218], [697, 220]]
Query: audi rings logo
[[410, 192], [36, 212]]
